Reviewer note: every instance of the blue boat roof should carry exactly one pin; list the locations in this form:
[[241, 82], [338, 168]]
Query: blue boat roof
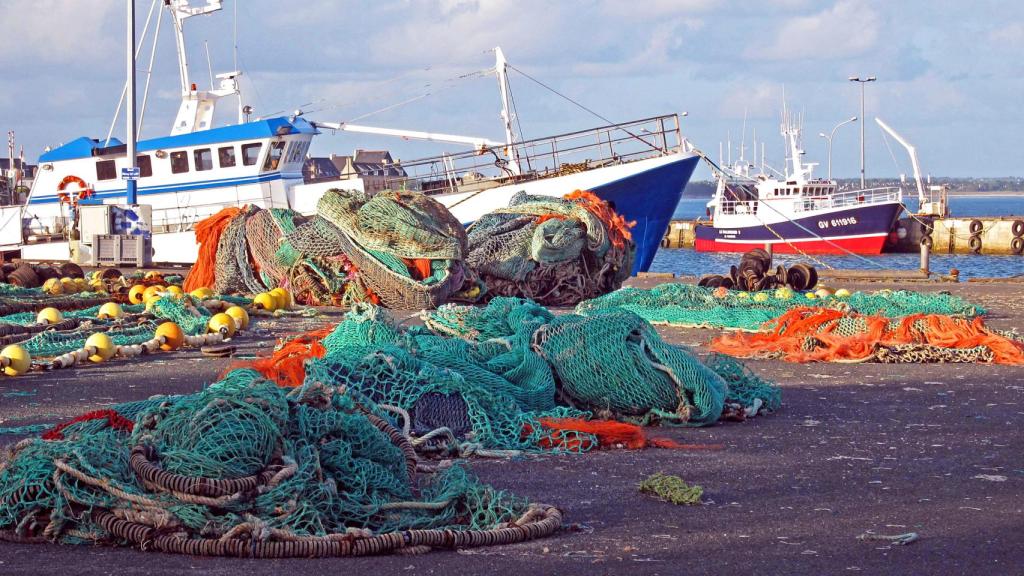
[[84, 147]]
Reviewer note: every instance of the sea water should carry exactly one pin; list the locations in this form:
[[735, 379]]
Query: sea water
[[690, 262]]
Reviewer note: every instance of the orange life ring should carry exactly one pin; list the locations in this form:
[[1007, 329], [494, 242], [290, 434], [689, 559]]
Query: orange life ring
[[84, 191]]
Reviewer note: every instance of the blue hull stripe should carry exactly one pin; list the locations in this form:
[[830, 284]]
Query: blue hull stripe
[[859, 221], [172, 188], [649, 198]]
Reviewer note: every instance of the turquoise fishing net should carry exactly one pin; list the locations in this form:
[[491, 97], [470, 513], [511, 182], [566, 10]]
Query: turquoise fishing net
[[327, 469], [493, 372], [687, 305]]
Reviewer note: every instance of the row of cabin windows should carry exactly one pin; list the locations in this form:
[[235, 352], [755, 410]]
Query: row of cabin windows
[[202, 160], [808, 191]]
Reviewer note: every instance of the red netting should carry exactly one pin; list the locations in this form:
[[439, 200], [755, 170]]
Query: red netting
[[287, 365], [618, 228], [208, 232], [114, 419], [815, 334]]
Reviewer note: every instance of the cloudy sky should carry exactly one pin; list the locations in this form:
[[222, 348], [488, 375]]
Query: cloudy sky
[[950, 73]]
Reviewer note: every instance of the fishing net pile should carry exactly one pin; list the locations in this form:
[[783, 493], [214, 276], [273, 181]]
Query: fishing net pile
[[512, 376], [554, 251], [401, 249], [825, 335], [249, 469], [685, 305]]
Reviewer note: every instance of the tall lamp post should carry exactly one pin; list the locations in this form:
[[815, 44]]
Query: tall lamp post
[[862, 82], [828, 138]]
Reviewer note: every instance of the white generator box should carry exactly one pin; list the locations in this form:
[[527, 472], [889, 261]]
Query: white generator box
[[95, 221]]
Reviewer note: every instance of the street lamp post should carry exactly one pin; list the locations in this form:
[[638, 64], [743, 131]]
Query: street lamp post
[[828, 139], [862, 82]]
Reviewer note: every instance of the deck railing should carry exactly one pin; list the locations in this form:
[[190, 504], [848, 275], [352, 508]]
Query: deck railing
[[846, 199], [542, 157]]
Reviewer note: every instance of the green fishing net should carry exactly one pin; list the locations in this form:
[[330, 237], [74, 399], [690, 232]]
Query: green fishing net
[[315, 461], [687, 305]]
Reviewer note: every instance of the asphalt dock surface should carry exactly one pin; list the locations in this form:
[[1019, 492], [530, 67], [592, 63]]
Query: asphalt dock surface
[[856, 449]]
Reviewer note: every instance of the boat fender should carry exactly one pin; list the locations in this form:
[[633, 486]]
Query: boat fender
[[1017, 245], [976, 226], [975, 244], [1017, 228]]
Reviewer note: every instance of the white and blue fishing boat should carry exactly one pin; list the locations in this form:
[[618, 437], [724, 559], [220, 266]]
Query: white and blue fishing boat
[[640, 166]]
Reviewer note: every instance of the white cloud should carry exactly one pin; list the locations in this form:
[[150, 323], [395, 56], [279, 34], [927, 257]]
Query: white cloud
[[1009, 36], [753, 100], [65, 31], [849, 28], [648, 9]]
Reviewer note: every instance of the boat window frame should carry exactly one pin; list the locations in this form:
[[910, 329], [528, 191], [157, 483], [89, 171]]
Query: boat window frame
[[272, 162], [202, 166], [256, 158], [102, 172], [177, 157], [230, 154], [145, 164]]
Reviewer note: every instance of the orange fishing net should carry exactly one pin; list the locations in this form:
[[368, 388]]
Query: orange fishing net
[[609, 433], [618, 228], [286, 366], [208, 232], [817, 335]]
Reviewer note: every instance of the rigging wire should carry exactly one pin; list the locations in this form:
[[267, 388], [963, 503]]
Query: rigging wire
[[581, 106], [432, 87]]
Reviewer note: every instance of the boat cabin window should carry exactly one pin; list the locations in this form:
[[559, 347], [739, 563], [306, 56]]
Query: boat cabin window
[[179, 162], [251, 153], [204, 159], [274, 157], [145, 166], [297, 151], [105, 170], [226, 156]]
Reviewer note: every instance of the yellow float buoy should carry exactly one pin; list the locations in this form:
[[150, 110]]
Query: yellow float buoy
[[80, 283], [151, 300], [110, 311], [823, 292], [282, 297], [176, 291], [49, 316], [16, 360], [103, 347], [784, 293], [53, 286], [153, 275], [222, 323], [743, 295], [811, 296], [265, 301], [240, 315], [135, 294], [203, 293], [760, 297], [69, 285], [172, 335], [842, 293], [150, 291]]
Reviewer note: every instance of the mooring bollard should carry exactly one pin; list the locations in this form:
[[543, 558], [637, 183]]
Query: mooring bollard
[[925, 253]]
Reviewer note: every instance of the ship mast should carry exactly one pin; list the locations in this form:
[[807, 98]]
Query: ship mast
[[197, 107], [501, 70]]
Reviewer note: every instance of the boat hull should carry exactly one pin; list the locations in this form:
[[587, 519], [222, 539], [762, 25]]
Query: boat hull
[[645, 192], [861, 230]]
